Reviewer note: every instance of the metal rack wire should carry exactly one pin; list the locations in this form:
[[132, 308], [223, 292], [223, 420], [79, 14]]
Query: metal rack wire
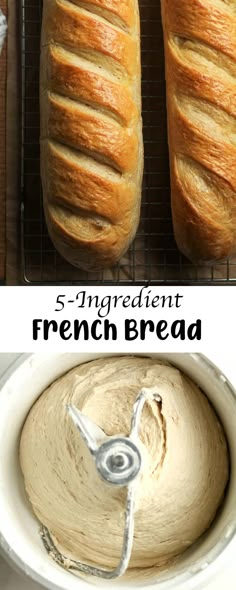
[[153, 257]]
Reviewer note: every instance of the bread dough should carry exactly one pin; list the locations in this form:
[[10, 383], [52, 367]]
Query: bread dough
[[185, 464]]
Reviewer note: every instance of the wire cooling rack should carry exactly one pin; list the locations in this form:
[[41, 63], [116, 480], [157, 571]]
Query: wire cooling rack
[[153, 257]]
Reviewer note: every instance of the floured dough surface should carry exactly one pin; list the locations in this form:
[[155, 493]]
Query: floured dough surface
[[185, 469]]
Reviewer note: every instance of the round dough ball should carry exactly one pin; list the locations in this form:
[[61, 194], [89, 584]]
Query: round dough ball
[[185, 464]]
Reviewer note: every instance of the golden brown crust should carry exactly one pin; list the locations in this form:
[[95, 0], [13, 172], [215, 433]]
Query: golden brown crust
[[74, 182], [91, 130], [85, 129], [74, 80], [95, 245], [113, 10], [200, 53], [66, 25]]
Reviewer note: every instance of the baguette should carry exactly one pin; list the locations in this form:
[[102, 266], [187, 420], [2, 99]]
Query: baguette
[[91, 128], [200, 58]]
